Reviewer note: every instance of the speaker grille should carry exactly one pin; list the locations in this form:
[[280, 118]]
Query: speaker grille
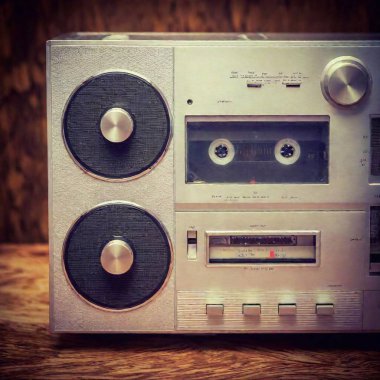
[[83, 137], [144, 234]]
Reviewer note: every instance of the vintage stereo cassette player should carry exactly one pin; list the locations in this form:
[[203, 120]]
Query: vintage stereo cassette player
[[214, 183]]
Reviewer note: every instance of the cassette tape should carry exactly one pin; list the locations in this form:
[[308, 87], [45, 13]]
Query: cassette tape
[[257, 150]]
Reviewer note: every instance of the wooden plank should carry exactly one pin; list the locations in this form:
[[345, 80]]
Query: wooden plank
[[28, 350]]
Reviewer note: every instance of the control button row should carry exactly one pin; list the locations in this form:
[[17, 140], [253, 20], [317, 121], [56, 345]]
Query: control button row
[[254, 310]]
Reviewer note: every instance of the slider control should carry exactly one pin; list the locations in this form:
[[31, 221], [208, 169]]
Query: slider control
[[254, 85], [191, 245]]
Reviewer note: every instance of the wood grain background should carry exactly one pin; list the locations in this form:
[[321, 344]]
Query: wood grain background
[[26, 25]]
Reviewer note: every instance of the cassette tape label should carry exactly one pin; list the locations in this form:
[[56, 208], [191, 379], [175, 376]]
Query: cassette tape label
[[257, 151]]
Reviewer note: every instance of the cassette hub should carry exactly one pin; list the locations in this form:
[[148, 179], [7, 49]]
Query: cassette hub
[[287, 150]]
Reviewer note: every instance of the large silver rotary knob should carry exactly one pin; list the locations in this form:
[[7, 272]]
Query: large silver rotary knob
[[116, 125], [345, 81], [116, 257]]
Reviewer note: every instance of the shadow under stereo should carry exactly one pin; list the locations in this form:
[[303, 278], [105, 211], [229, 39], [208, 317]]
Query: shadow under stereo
[[276, 342]]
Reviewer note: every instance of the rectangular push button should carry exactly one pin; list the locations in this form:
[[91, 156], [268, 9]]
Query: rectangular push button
[[324, 309], [191, 245], [215, 310], [287, 309], [251, 309]]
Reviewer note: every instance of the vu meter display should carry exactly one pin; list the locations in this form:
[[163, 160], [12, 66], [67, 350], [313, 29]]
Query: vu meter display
[[263, 248]]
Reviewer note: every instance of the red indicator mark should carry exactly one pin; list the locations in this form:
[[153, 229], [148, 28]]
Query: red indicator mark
[[272, 255]]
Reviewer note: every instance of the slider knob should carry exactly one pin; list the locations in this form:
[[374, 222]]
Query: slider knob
[[345, 81]]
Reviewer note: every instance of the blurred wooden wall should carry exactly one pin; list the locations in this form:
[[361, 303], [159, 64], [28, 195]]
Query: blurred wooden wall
[[26, 25]]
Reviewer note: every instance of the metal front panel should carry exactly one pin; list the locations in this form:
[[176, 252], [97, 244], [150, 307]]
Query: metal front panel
[[338, 278], [343, 261], [215, 80], [73, 192], [209, 78]]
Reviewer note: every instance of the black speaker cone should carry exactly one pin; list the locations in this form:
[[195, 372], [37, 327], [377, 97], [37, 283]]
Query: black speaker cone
[[123, 222], [83, 136]]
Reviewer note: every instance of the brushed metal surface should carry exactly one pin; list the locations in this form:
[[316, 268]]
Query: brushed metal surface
[[116, 257], [228, 98], [116, 125], [73, 192], [345, 81]]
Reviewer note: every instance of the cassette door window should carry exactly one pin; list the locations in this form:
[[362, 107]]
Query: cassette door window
[[257, 150]]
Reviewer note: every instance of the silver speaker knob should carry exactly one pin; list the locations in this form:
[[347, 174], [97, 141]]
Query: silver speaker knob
[[345, 81], [116, 125], [116, 257]]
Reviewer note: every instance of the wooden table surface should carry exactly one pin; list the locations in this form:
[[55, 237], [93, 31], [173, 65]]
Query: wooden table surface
[[28, 350]]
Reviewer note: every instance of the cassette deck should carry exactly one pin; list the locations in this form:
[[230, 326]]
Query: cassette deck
[[205, 183]]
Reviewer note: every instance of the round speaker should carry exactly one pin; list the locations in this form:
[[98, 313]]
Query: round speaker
[[117, 256], [116, 126]]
